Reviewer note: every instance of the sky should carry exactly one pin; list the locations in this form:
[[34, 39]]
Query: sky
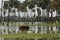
[[0, 4]]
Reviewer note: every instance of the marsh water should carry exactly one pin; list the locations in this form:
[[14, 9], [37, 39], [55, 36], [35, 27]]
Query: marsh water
[[33, 29]]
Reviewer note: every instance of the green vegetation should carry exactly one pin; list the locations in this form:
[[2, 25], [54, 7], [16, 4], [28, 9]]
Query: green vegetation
[[32, 36], [30, 24]]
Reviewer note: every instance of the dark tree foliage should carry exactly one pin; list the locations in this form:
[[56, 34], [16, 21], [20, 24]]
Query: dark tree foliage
[[5, 5], [14, 3]]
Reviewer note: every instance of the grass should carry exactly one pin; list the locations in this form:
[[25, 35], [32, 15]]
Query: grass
[[30, 35], [43, 24]]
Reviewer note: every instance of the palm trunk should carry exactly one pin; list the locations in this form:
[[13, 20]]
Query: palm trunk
[[48, 9], [47, 15], [56, 16], [8, 23], [4, 17], [8, 18], [19, 14], [51, 15], [27, 16]]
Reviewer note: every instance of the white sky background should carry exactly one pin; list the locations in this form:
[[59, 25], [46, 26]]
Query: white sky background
[[0, 3], [29, 12]]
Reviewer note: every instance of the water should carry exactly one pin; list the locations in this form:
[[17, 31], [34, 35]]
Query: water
[[4, 29], [33, 29]]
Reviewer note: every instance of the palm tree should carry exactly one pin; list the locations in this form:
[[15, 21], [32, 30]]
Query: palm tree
[[8, 5], [18, 12], [54, 6], [47, 6], [4, 12], [44, 4], [24, 10], [31, 5]]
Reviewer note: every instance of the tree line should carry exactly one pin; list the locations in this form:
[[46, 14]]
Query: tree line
[[49, 5]]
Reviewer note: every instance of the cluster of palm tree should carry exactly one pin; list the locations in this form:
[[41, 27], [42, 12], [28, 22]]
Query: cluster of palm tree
[[49, 5]]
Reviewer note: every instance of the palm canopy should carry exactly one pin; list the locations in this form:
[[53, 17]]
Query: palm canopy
[[22, 7], [43, 3], [14, 3], [5, 5], [31, 4], [11, 3]]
